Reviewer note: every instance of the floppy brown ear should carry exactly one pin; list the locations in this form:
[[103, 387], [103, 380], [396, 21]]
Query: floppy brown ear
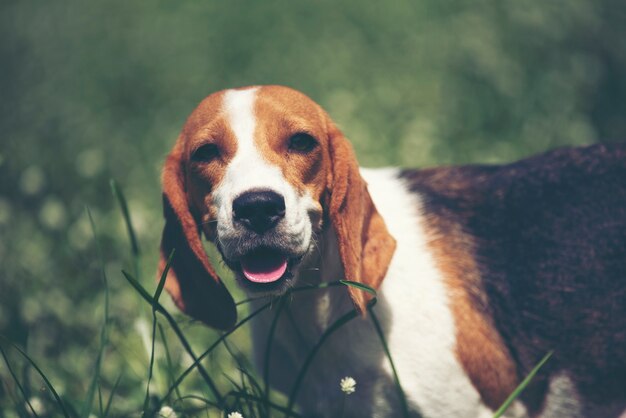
[[191, 280], [365, 245]]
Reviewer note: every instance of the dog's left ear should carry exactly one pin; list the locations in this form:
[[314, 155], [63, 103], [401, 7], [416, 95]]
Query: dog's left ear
[[365, 245], [191, 281]]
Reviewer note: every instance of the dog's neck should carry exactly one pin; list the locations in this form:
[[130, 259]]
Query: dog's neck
[[314, 310], [313, 271], [311, 311], [304, 315]]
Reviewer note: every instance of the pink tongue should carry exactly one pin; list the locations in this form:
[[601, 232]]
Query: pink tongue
[[264, 267]]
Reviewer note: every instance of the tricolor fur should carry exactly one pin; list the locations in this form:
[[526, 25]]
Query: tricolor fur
[[480, 270]]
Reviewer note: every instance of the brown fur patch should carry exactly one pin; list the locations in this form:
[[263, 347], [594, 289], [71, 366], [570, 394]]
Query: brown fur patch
[[479, 346], [281, 113], [365, 245]]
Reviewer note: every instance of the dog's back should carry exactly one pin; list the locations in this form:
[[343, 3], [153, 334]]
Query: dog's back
[[549, 237]]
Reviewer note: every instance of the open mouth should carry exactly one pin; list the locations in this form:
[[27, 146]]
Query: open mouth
[[266, 269], [264, 265]]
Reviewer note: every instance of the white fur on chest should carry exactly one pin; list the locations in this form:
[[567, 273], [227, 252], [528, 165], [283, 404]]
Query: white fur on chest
[[421, 334]]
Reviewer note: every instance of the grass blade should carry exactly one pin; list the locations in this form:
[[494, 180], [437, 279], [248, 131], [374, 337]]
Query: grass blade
[[344, 319], [159, 308], [155, 305], [237, 405], [248, 300], [379, 331], [100, 404], [518, 390], [198, 398], [43, 376], [17, 382], [134, 243], [119, 195], [168, 358], [146, 401], [192, 354], [268, 349], [242, 365], [252, 387], [322, 285], [253, 384], [138, 287], [86, 411], [159, 289], [197, 360], [360, 286], [107, 408]]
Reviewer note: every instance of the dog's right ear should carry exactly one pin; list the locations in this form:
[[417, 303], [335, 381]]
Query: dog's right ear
[[191, 281], [365, 245]]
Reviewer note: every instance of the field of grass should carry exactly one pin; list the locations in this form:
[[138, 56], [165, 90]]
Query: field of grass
[[97, 91], [224, 389]]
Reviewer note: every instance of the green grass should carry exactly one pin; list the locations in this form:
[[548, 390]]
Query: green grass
[[215, 392], [104, 88]]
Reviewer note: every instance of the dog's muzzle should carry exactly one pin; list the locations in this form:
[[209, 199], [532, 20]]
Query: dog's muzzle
[[263, 256]]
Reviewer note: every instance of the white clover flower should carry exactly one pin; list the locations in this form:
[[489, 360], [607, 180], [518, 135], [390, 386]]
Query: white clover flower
[[235, 415], [348, 385], [167, 412]]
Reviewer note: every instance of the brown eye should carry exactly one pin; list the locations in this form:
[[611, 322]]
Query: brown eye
[[205, 153], [302, 143]]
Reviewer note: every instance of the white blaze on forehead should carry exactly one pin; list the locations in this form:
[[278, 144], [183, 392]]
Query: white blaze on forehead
[[239, 108], [249, 170]]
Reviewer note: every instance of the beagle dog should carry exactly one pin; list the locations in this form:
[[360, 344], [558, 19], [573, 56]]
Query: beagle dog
[[479, 270]]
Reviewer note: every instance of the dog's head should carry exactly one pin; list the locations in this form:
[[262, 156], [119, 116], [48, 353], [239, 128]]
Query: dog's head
[[261, 171]]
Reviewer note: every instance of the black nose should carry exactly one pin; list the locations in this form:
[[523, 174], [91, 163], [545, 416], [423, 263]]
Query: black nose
[[259, 210]]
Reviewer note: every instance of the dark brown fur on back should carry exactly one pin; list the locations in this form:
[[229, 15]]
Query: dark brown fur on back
[[549, 236]]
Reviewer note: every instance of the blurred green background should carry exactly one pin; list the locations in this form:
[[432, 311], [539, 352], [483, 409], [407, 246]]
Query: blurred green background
[[93, 91]]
